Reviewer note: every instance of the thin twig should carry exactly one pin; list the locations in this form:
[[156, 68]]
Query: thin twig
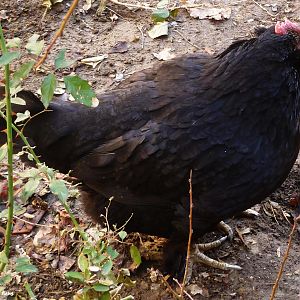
[[32, 117], [142, 34], [283, 213], [117, 14], [57, 34], [264, 9], [33, 224], [273, 212], [286, 255], [241, 237], [170, 289], [178, 32], [188, 254], [185, 292]]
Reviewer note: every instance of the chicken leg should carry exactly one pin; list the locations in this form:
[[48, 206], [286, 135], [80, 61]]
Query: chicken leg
[[198, 256]]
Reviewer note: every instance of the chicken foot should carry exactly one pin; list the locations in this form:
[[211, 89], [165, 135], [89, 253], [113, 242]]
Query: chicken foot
[[198, 256]]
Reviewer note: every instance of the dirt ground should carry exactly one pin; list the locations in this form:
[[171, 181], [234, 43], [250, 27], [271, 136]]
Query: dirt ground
[[87, 35]]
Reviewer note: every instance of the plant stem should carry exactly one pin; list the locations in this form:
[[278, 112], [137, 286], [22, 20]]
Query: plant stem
[[25, 141], [10, 197], [75, 223]]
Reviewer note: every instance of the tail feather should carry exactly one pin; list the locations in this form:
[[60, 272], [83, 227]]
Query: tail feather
[[33, 104]]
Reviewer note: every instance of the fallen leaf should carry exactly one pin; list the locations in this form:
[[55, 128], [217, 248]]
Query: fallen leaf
[[95, 102], [31, 215], [3, 14], [46, 240], [160, 29], [87, 5], [211, 13], [164, 54], [34, 45], [114, 17], [94, 61], [209, 50], [63, 263], [49, 3], [251, 212], [162, 4], [119, 47], [194, 289]]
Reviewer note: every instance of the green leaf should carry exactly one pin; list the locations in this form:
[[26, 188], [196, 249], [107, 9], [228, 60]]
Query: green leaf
[[105, 296], [160, 15], [3, 152], [3, 258], [8, 57], [135, 255], [29, 173], [18, 210], [122, 234], [112, 252], [47, 170], [13, 43], [17, 100], [79, 89], [21, 73], [34, 46], [59, 188], [74, 276], [5, 280], [107, 281], [99, 259], [100, 288], [22, 116], [29, 188], [23, 265], [29, 291], [174, 13], [83, 262], [47, 89], [158, 30], [106, 268], [61, 61]]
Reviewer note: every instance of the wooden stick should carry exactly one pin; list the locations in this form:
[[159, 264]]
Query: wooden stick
[[57, 34], [286, 255]]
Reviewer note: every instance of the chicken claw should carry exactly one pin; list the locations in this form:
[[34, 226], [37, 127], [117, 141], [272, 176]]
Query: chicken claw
[[198, 256]]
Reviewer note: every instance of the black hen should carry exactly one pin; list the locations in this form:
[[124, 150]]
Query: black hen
[[232, 118]]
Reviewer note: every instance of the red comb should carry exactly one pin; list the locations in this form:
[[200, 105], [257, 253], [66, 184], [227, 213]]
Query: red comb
[[282, 28]]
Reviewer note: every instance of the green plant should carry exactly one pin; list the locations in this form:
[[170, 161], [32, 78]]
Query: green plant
[[97, 273], [21, 266]]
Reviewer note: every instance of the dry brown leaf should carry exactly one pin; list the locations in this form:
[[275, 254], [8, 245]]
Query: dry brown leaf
[[119, 47], [31, 215]]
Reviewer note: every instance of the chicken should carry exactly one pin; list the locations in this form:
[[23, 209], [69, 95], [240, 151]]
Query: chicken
[[233, 119]]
